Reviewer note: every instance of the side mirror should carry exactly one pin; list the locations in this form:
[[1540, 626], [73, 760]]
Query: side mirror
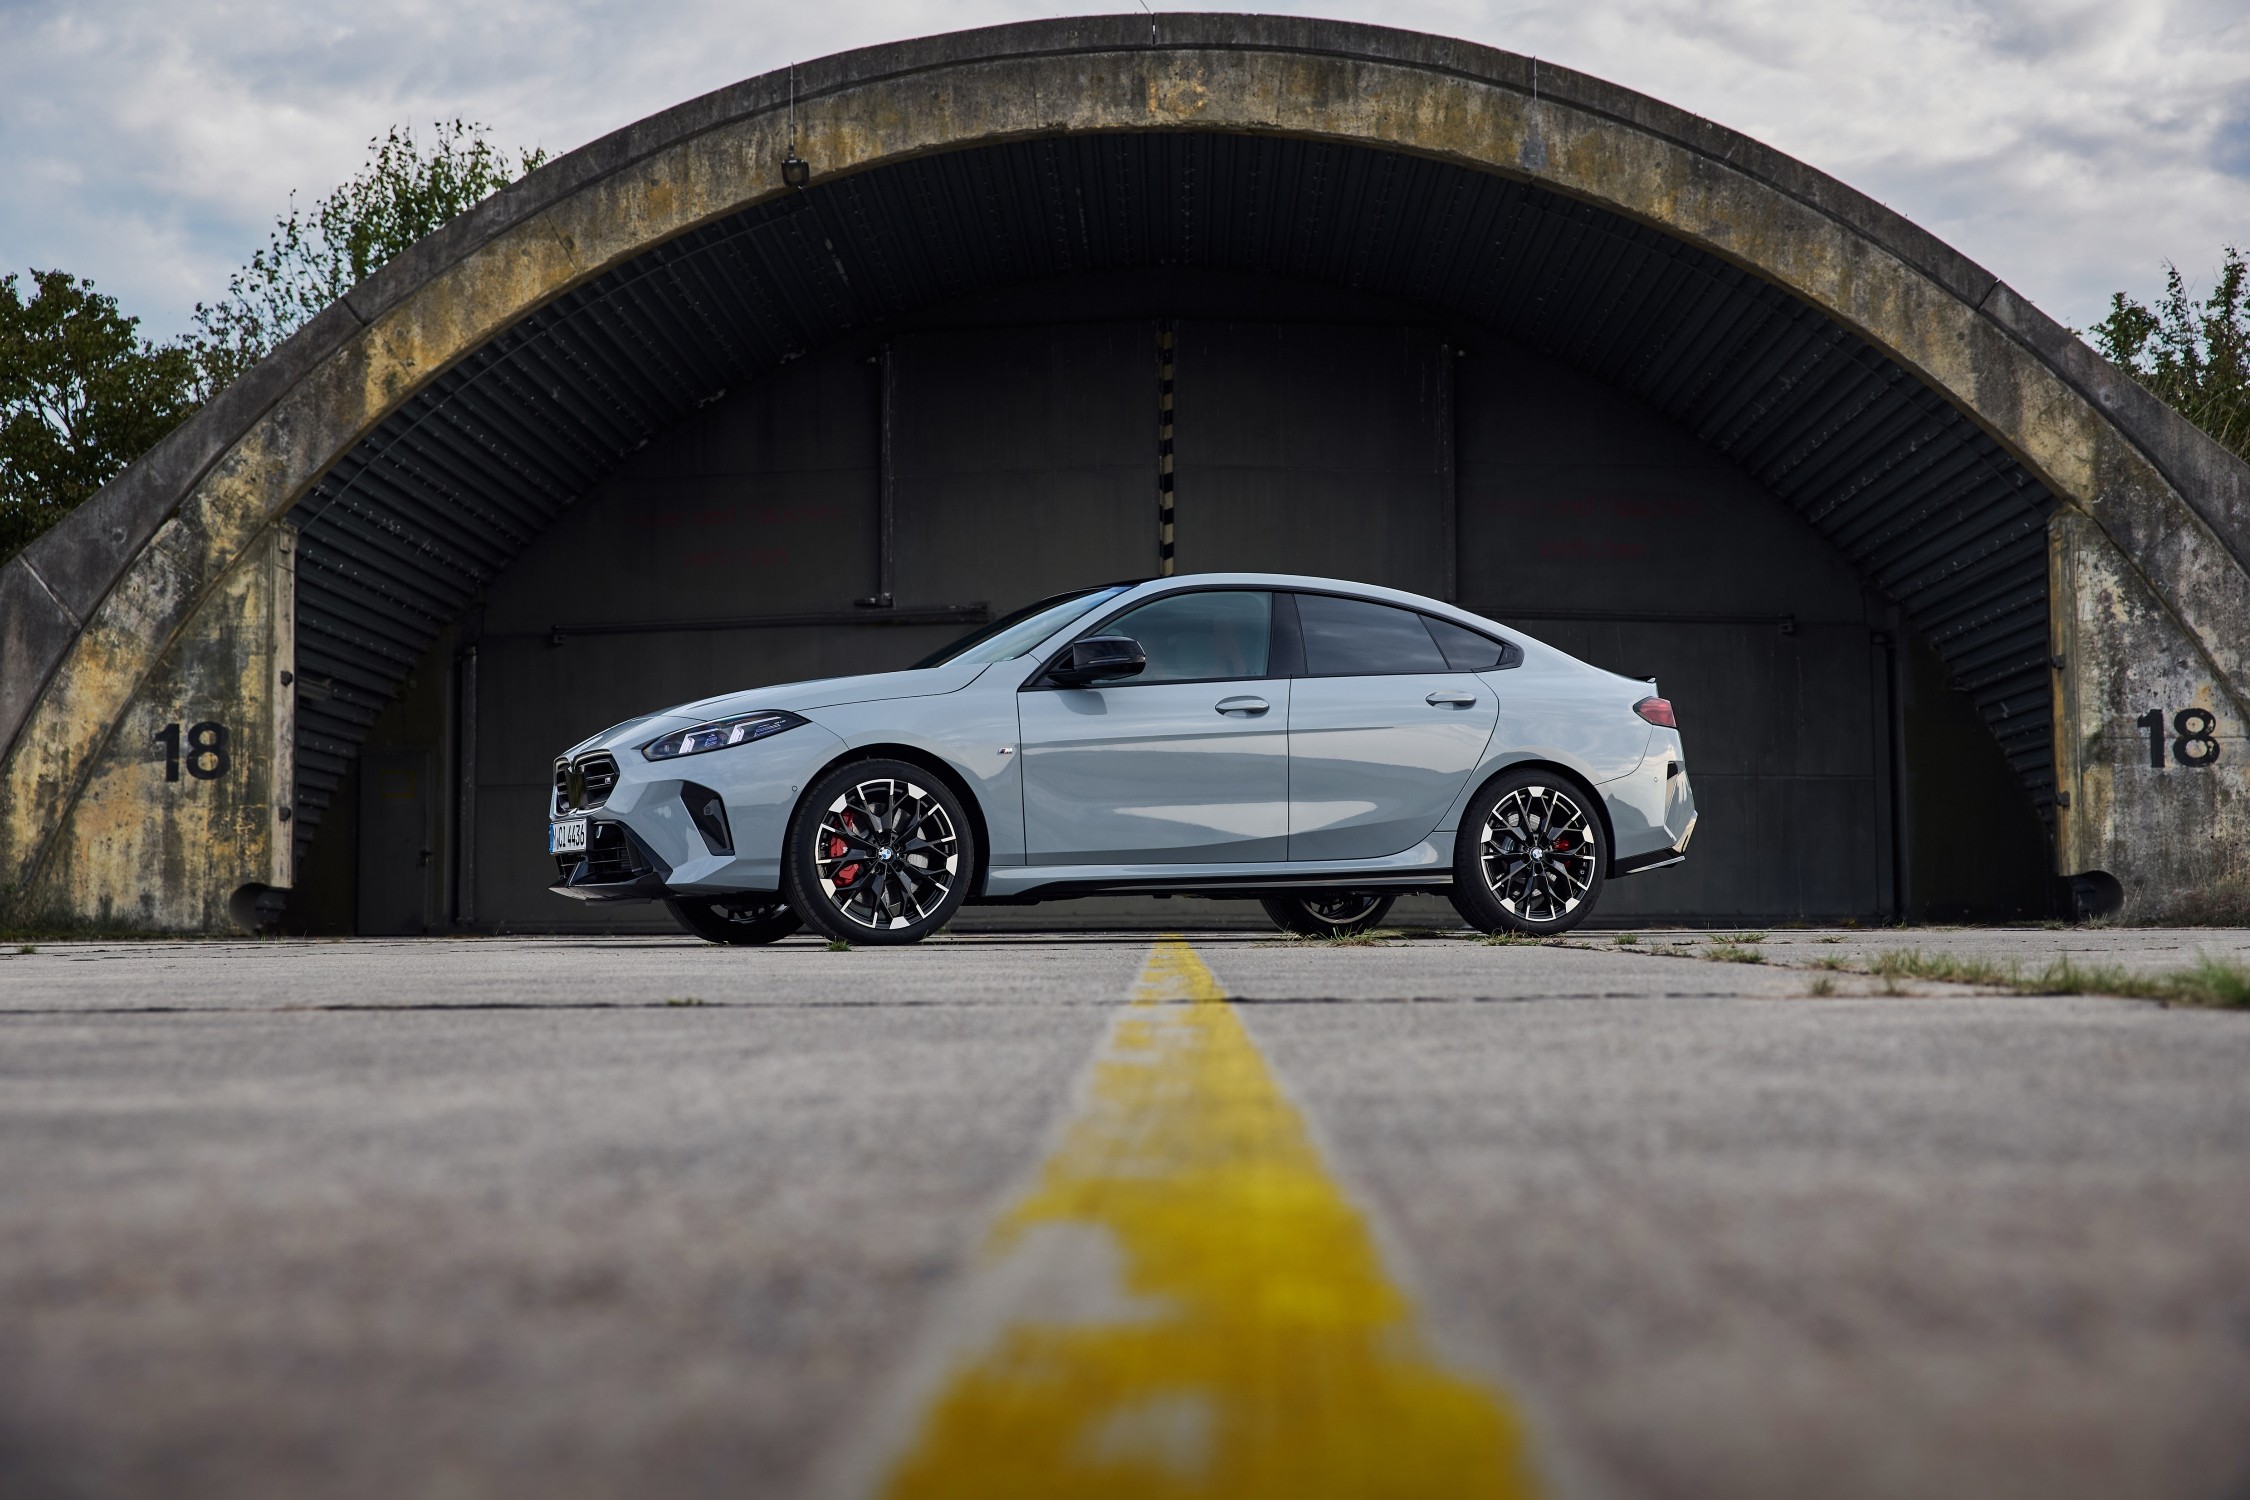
[[1098, 657]]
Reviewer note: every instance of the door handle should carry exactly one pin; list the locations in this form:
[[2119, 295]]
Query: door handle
[[1451, 700], [1249, 708]]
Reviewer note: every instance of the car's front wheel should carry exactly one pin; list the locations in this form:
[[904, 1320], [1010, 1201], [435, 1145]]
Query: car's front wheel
[[880, 851], [739, 921], [1530, 855], [1327, 913]]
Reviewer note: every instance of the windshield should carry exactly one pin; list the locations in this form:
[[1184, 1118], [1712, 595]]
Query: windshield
[[1014, 634]]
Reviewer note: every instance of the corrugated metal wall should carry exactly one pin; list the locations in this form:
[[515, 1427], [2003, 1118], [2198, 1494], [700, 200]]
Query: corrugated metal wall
[[402, 534]]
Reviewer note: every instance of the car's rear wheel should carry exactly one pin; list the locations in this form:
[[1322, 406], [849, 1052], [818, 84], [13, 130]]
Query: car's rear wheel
[[1530, 856], [1327, 913], [739, 921], [880, 851]]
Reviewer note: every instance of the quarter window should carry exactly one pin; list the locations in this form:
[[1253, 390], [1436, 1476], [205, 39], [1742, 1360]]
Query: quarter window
[[1353, 638], [1200, 637], [1465, 650]]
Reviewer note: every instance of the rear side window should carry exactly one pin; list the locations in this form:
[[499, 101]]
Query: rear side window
[[1353, 638], [1200, 637], [1465, 650]]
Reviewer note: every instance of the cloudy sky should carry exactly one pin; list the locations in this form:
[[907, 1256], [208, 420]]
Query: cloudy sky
[[2071, 146]]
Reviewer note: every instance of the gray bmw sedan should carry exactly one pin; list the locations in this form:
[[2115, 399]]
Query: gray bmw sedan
[[1318, 746]]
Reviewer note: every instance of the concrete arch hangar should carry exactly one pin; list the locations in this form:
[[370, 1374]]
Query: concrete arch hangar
[[801, 376]]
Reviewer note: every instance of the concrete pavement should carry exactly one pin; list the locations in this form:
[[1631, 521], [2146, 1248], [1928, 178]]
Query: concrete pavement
[[514, 1216]]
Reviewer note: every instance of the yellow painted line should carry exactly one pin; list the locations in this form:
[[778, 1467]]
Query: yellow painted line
[[1208, 1314]]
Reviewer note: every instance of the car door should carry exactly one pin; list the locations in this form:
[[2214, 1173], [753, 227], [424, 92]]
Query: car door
[[1185, 763], [1384, 725]]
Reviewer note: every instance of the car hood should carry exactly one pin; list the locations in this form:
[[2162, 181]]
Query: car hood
[[800, 697]]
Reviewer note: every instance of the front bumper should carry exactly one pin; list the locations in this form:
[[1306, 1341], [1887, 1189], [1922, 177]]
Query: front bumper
[[617, 866], [641, 826]]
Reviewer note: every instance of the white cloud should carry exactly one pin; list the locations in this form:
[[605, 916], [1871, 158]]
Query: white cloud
[[2068, 145]]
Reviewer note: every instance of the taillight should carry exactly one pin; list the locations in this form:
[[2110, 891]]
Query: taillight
[[1657, 711]]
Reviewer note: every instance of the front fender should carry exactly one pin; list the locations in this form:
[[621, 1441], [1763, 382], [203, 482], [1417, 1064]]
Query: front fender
[[972, 733]]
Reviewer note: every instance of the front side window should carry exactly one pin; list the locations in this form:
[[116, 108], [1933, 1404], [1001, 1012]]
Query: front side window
[[1200, 637], [1012, 635], [1353, 638]]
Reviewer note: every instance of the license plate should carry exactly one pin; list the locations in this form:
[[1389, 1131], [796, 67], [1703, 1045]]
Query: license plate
[[567, 837]]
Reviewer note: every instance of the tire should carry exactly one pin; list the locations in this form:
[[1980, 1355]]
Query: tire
[[738, 921], [838, 832], [1327, 913], [1531, 855]]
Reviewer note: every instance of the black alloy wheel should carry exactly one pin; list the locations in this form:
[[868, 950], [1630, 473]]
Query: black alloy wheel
[[1530, 856], [1327, 913], [746, 921], [880, 851]]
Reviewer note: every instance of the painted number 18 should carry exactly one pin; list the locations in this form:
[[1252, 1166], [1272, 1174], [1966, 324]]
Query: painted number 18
[[2194, 743], [206, 755]]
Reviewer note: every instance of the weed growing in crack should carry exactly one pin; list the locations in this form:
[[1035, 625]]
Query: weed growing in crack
[[1373, 937], [2210, 983]]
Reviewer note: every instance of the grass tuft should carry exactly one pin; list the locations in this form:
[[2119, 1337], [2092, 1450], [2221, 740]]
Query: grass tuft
[[1731, 953], [681, 1000], [2215, 983], [2211, 983], [839, 945], [1626, 939], [1913, 963], [1506, 939], [27, 948], [1372, 937], [1822, 986], [1738, 938], [2224, 902]]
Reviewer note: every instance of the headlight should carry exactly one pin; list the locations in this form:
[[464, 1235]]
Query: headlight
[[718, 734]]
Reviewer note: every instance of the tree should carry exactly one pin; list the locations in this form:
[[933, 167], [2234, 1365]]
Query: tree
[[2194, 356], [315, 256], [82, 394]]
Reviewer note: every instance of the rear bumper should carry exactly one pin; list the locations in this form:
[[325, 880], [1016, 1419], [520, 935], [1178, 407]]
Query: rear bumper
[[1655, 859]]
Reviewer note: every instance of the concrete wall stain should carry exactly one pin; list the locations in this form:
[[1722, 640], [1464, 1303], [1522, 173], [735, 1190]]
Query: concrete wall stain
[[164, 836]]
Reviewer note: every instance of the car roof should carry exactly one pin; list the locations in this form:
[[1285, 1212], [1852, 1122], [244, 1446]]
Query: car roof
[[1152, 587]]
